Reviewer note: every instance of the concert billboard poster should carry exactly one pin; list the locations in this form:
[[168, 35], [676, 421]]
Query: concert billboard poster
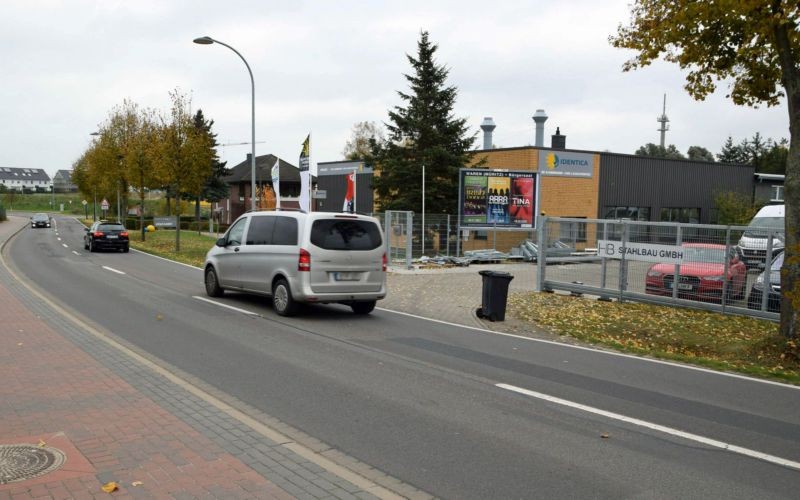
[[498, 198], [521, 203]]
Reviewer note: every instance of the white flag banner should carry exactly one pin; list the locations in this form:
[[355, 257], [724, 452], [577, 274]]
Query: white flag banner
[[276, 182]]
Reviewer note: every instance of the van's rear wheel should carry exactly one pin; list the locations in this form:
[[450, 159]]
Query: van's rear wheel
[[282, 300], [365, 307]]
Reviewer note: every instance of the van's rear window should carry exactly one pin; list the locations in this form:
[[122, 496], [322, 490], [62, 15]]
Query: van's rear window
[[339, 234]]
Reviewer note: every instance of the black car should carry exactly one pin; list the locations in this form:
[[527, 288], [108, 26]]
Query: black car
[[40, 220], [774, 295], [103, 234]]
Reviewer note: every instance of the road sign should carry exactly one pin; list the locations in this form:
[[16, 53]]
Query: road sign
[[319, 194], [104, 204], [84, 202]]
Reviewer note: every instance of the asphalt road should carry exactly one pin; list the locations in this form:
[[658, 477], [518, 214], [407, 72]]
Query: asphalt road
[[420, 399]]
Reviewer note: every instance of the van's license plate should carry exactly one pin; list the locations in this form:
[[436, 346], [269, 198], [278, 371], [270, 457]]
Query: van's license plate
[[345, 276]]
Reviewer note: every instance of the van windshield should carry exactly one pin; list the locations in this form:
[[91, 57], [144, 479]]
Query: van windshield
[[339, 234], [761, 225]]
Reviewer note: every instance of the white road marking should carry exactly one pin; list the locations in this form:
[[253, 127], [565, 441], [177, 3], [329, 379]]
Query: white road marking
[[245, 311], [598, 351], [76, 253], [64, 245], [113, 270], [660, 428], [59, 239]]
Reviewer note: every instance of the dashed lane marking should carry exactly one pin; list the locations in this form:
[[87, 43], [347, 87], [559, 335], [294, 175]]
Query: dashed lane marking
[[244, 311], [113, 270]]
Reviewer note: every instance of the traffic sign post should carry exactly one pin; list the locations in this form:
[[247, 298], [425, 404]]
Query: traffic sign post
[[104, 206], [85, 209]]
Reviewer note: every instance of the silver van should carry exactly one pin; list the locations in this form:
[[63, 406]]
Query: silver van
[[295, 257]]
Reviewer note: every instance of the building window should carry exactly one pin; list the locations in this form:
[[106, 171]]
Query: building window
[[777, 193], [630, 213], [687, 215], [573, 231], [481, 235]]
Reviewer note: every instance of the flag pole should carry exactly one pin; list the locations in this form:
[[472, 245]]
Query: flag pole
[[355, 191], [310, 176]]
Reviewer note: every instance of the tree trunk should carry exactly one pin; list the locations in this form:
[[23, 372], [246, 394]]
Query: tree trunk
[[178, 219], [790, 272], [141, 202], [169, 210], [197, 213]]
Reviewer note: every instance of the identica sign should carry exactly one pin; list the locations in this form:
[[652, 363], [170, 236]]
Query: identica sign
[[646, 252], [565, 164], [497, 198]]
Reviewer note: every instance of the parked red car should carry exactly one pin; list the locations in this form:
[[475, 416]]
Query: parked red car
[[702, 274]]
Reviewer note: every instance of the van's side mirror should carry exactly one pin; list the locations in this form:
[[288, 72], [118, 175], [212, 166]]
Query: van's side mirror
[[86, 229], [222, 242]]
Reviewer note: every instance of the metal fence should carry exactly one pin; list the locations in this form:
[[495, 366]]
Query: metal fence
[[410, 237], [720, 268]]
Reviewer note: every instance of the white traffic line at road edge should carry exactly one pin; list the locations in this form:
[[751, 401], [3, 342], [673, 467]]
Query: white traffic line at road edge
[[76, 253], [59, 239], [64, 245], [245, 311], [113, 270], [598, 351], [660, 428]]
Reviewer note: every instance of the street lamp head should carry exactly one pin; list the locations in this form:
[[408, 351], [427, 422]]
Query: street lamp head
[[204, 40]]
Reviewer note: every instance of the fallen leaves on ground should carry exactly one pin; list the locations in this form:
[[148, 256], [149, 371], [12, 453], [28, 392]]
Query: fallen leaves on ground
[[110, 487], [722, 341]]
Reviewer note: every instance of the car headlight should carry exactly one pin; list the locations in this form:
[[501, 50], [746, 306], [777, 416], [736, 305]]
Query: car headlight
[[652, 273]]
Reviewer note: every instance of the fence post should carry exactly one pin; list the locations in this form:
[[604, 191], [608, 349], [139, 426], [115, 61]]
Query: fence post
[[767, 284], [623, 265], [388, 233], [676, 276], [409, 235], [541, 236], [448, 235], [604, 262], [725, 285]]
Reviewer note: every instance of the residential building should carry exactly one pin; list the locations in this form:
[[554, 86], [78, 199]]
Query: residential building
[[25, 179]]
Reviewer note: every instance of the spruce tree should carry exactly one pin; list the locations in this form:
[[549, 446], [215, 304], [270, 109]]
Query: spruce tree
[[423, 131]]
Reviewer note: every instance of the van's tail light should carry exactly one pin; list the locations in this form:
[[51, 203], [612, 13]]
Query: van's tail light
[[384, 262], [124, 233], [304, 262], [98, 234]]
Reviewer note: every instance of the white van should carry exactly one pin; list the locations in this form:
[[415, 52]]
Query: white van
[[753, 244], [294, 257]]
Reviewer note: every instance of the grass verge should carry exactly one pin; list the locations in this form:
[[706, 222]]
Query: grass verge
[[162, 243], [722, 342]]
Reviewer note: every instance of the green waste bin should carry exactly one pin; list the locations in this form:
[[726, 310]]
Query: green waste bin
[[494, 295]]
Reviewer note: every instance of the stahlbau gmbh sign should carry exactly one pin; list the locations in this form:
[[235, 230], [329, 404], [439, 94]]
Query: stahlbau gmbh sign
[[646, 252]]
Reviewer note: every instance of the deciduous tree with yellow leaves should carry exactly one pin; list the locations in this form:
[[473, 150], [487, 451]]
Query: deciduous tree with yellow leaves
[[753, 46]]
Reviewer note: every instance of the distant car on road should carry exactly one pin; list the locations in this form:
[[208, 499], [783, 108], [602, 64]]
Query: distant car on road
[[702, 274], [40, 220], [774, 295], [106, 235]]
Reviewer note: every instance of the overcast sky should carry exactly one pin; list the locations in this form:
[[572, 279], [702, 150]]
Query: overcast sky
[[320, 67]]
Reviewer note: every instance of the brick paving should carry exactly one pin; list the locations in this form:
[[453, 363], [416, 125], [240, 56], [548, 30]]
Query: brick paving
[[117, 420]]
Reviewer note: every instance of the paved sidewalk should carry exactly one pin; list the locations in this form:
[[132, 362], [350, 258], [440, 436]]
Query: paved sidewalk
[[116, 419]]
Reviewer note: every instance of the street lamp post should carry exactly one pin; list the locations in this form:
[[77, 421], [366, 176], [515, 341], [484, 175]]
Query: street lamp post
[[207, 40]]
